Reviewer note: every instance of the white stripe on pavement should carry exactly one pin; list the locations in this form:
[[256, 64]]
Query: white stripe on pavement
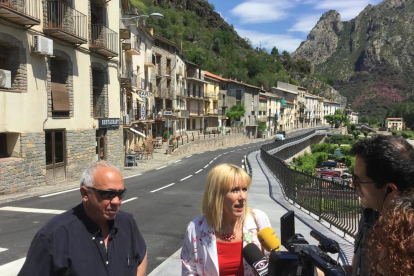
[[198, 171], [12, 268], [132, 175], [211, 161], [177, 161], [243, 167], [189, 156], [200, 152], [67, 191], [186, 177], [205, 166], [32, 210], [3, 249], [161, 167], [162, 188], [129, 199]]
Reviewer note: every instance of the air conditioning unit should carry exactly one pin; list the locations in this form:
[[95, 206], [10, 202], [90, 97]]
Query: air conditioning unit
[[42, 45], [5, 79]]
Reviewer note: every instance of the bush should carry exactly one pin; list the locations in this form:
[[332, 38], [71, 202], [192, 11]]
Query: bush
[[394, 132], [406, 134], [306, 161], [323, 147], [346, 149], [165, 135], [340, 139], [349, 161], [320, 157]]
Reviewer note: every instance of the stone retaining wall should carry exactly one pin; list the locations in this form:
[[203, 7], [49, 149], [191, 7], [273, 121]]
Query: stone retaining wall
[[212, 143]]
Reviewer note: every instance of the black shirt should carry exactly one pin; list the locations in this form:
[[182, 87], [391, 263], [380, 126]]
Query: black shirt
[[360, 266], [72, 244]]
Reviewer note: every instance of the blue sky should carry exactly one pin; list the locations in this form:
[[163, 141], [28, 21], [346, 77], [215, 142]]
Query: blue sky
[[282, 23]]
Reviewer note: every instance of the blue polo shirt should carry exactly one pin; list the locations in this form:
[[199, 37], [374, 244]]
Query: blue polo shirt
[[72, 244]]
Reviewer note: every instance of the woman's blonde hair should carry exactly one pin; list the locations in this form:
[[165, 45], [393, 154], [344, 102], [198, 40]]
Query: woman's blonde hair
[[219, 182]]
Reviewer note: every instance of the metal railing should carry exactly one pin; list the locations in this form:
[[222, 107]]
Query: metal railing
[[104, 37], [335, 202], [27, 7], [60, 16]]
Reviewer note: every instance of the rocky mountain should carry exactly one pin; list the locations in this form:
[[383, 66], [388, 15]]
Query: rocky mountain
[[370, 57]]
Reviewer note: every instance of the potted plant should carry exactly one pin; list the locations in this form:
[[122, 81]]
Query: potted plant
[[165, 136], [178, 137]]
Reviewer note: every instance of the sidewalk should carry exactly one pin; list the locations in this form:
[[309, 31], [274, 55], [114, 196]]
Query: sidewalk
[[259, 199]]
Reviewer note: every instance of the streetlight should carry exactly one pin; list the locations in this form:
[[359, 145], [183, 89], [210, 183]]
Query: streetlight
[[154, 15]]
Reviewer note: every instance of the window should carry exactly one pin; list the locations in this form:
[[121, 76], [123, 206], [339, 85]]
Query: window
[[60, 94], [3, 145], [101, 145], [238, 96]]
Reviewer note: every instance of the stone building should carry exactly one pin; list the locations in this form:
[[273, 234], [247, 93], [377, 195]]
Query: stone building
[[61, 109], [167, 79]]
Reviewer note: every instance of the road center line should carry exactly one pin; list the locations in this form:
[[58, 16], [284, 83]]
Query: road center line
[[215, 158], [161, 167], [129, 199], [186, 177], [31, 210], [12, 268], [67, 191], [162, 188], [205, 166], [3, 249], [211, 161], [198, 171], [132, 176]]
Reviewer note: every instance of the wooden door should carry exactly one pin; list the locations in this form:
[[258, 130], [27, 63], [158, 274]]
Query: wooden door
[[55, 156]]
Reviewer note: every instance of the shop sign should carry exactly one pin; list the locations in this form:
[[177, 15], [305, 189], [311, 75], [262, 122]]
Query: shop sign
[[109, 123]]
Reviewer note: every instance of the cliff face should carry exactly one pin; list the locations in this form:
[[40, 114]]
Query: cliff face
[[371, 57]]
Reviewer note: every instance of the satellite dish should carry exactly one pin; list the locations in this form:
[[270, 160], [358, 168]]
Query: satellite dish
[[3, 78]]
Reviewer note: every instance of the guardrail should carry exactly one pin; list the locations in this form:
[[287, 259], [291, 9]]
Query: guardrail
[[336, 203]]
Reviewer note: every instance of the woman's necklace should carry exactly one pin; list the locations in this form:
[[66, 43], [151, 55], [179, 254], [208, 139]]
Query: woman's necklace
[[228, 237]]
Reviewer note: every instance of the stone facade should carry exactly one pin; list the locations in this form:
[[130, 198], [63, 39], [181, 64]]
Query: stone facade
[[115, 152], [99, 81], [160, 69], [16, 61], [18, 174], [80, 151]]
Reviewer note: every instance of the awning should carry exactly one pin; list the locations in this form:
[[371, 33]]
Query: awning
[[137, 132], [136, 96]]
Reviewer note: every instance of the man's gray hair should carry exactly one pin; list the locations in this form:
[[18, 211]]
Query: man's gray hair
[[89, 173]]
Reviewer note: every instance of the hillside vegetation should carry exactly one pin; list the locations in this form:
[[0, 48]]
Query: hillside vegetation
[[210, 42]]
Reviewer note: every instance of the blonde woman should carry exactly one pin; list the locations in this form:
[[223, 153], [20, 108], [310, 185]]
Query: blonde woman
[[214, 241]]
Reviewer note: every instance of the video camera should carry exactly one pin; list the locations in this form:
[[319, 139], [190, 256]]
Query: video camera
[[302, 258]]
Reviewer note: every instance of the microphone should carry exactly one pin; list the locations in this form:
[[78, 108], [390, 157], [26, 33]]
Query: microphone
[[326, 244], [268, 239], [255, 258]]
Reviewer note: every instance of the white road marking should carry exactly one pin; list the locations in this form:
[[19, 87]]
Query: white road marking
[[129, 199], [31, 210], [67, 191], [232, 151], [12, 268], [243, 167], [198, 171], [132, 176], [225, 153], [162, 188], [189, 156], [200, 152], [186, 177], [205, 166], [242, 160], [3, 249], [215, 158], [211, 161], [161, 167], [220, 155], [177, 161]]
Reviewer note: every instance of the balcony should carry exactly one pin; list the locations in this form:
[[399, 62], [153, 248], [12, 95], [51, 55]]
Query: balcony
[[133, 47], [21, 12], [263, 119], [126, 79], [149, 60], [251, 121], [104, 41], [65, 23], [213, 112], [180, 70], [136, 81], [124, 31]]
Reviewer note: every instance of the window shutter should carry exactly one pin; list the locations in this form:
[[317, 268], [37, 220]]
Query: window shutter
[[60, 97]]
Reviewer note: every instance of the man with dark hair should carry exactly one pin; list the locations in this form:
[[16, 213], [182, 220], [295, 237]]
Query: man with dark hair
[[93, 238], [384, 167]]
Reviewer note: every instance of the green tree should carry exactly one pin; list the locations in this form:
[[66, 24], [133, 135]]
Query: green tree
[[236, 111], [275, 51], [262, 126]]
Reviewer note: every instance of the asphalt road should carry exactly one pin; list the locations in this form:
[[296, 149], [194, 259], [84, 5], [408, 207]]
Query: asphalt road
[[166, 200]]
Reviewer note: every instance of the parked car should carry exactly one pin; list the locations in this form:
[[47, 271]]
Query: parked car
[[331, 173], [280, 135]]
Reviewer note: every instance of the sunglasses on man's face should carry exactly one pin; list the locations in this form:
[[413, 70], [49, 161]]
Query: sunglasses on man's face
[[109, 194], [356, 181]]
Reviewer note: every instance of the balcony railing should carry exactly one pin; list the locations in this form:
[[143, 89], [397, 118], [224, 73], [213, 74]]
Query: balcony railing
[[149, 60], [104, 40], [21, 12], [134, 46], [65, 23]]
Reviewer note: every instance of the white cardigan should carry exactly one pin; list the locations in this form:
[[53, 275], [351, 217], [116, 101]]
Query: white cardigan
[[199, 252]]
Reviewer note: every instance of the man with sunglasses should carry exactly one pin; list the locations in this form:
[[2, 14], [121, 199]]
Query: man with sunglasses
[[93, 238], [384, 168]]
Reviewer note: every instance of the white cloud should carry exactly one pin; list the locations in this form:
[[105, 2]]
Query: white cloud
[[348, 9], [261, 11], [268, 41], [305, 24]]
